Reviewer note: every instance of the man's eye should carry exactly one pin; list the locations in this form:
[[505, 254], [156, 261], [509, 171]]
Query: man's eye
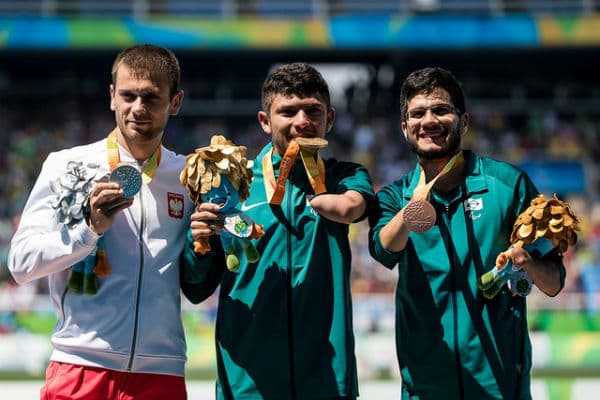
[[151, 99], [416, 113], [438, 110], [441, 110]]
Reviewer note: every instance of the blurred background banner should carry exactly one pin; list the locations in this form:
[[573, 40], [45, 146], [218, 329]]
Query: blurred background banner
[[372, 31], [529, 72]]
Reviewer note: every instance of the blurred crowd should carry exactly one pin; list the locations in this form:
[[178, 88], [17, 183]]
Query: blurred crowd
[[74, 110]]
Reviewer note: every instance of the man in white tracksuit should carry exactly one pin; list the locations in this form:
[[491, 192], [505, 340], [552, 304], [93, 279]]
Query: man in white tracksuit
[[126, 341]]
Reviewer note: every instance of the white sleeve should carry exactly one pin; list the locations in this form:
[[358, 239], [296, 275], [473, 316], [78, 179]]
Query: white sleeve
[[41, 247]]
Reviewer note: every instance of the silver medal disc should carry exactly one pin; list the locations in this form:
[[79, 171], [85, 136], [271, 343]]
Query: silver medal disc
[[129, 178]]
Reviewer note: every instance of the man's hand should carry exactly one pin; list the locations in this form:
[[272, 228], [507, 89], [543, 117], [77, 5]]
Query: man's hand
[[520, 256], [544, 272], [106, 200], [206, 220]]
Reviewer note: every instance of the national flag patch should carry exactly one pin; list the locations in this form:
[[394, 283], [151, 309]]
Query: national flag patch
[[175, 202]]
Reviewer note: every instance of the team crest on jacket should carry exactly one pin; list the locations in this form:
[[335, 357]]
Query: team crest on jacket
[[175, 205], [473, 207]]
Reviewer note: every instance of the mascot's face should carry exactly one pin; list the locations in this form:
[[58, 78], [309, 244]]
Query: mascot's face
[[225, 195]]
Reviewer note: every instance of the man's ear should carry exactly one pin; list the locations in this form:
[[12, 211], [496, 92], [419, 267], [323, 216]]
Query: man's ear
[[404, 130], [113, 106], [176, 103], [330, 119], [466, 119], [263, 120]]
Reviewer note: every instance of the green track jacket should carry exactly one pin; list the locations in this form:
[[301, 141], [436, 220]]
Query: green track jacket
[[284, 324], [452, 343]]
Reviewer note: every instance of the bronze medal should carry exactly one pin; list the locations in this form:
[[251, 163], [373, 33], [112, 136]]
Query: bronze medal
[[419, 216]]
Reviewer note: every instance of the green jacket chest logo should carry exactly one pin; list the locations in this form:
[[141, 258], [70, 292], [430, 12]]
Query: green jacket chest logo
[[473, 207]]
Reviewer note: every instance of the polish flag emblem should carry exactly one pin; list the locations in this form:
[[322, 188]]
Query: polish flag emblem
[[175, 201]]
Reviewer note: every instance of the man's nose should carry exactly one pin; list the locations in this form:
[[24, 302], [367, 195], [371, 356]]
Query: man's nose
[[429, 116], [138, 104], [301, 119]]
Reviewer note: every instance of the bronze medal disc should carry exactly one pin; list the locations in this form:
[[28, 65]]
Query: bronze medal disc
[[419, 215]]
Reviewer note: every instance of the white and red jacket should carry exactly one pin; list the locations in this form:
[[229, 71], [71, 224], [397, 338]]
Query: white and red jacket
[[134, 322]]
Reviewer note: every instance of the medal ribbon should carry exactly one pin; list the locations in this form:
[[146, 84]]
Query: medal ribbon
[[276, 190], [114, 159], [421, 192], [314, 169]]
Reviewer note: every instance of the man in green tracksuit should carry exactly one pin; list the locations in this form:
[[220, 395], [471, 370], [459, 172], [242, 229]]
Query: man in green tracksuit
[[453, 343], [284, 324]]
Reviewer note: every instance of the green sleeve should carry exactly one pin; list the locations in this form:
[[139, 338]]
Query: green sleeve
[[388, 204], [352, 176], [201, 274]]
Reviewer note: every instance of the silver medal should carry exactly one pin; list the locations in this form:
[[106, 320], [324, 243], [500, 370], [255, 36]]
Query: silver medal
[[129, 178]]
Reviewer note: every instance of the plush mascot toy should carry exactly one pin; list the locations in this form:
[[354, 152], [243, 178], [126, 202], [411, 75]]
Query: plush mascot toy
[[545, 225], [221, 174], [71, 205]]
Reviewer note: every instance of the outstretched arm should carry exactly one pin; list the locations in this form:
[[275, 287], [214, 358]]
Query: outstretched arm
[[344, 208]]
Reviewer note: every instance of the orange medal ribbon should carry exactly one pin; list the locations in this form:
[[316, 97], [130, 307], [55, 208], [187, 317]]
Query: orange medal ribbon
[[315, 170], [276, 189]]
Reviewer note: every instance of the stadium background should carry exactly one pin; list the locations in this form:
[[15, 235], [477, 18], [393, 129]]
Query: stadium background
[[529, 70]]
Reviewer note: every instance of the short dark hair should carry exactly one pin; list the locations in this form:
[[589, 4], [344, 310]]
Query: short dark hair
[[299, 79], [425, 81], [147, 60]]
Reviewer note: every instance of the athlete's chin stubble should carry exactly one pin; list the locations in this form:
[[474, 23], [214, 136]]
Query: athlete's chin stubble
[[452, 148]]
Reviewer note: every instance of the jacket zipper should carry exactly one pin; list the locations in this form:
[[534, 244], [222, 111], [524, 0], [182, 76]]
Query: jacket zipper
[[138, 287], [290, 210], [459, 378]]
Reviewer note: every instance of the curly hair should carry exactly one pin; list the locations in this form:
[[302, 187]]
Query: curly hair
[[295, 79]]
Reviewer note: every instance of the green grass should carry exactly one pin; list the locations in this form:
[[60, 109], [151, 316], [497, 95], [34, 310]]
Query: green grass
[[563, 322], [555, 322], [35, 322]]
